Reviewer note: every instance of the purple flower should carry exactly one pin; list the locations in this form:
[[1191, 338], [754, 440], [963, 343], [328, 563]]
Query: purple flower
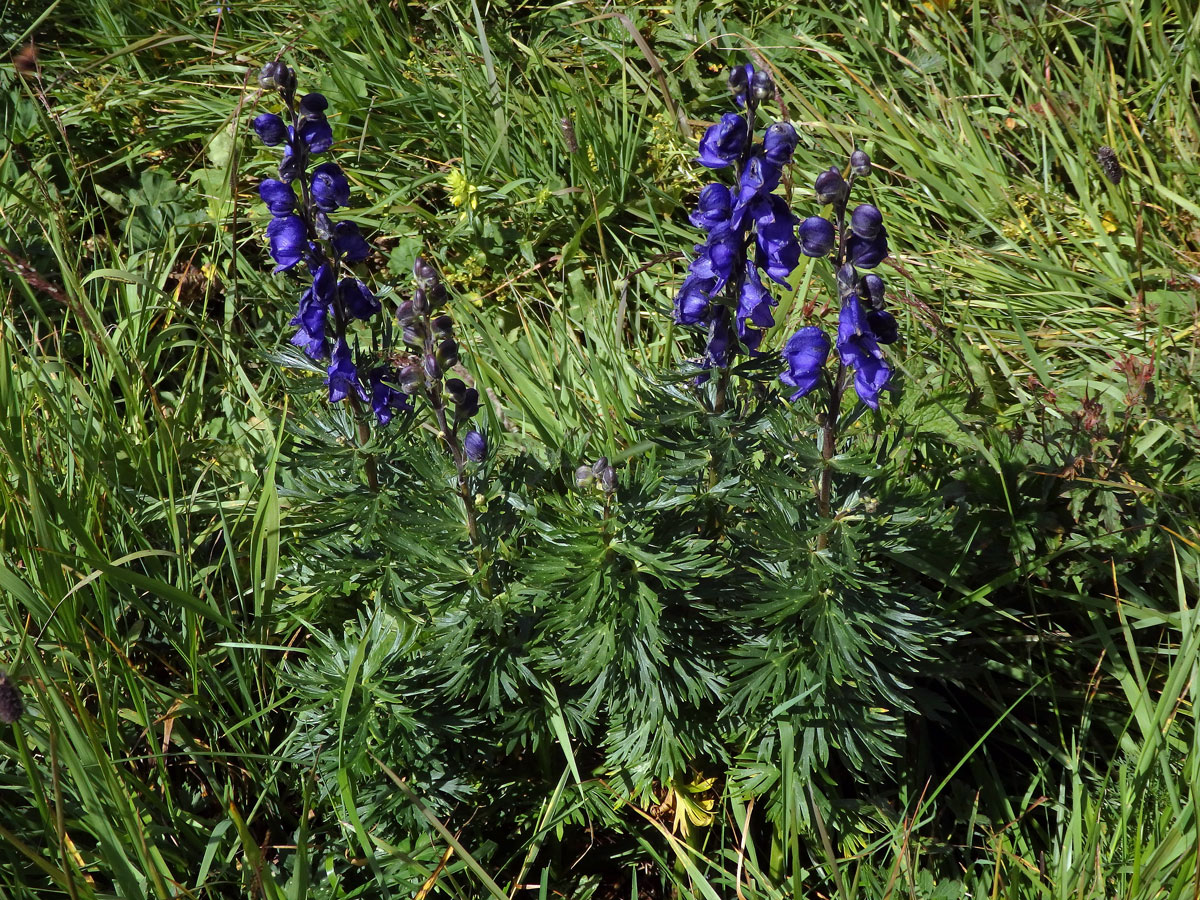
[[779, 143], [858, 348], [816, 237], [866, 220], [691, 303], [475, 446], [343, 376], [867, 254], [357, 298], [717, 258], [317, 135], [754, 301], [330, 189], [805, 354], [314, 308], [720, 338], [385, 398], [278, 196], [723, 143], [778, 249], [288, 238], [348, 243], [713, 208], [270, 129]]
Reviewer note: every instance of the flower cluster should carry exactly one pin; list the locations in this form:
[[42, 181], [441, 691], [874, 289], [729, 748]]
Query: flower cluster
[[435, 354], [863, 322], [725, 280], [302, 230]]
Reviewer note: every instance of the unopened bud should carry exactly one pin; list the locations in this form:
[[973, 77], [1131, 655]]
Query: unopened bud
[[608, 480], [456, 388], [269, 75], [410, 379], [584, 476], [426, 274], [443, 326], [447, 353], [599, 466], [831, 187], [739, 80], [475, 446], [414, 333], [762, 86], [847, 281], [860, 164], [405, 312], [431, 366], [420, 302], [469, 405]]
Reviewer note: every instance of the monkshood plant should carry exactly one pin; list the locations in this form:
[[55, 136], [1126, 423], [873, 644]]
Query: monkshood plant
[[751, 232], [304, 235]]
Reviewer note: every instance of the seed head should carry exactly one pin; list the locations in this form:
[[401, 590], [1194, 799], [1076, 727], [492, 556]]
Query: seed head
[[1109, 164], [11, 707]]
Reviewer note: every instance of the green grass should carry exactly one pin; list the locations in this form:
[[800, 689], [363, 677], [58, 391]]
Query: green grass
[[209, 685]]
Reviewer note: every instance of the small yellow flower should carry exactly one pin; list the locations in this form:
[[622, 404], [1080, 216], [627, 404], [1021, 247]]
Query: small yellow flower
[[462, 192]]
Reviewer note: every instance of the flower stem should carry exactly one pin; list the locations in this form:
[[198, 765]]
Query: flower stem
[[828, 447]]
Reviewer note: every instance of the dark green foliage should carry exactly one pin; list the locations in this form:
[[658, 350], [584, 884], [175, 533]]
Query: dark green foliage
[[221, 636]]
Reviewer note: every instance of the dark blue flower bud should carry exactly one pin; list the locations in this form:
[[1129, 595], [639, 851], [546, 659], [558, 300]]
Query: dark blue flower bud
[[348, 243], [443, 326], [607, 479], [386, 399], [723, 143], [405, 312], [847, 281], [867, 253], [805, 354], [860, 163], [779, 143], [762, 86], [271, 75], [874, 288], [475, 446], [831, 187], [600, 465], [437, 295], [270, 129], [866, 220], [584, 476], [313, 104], [431, 366], [739, 81], [411, 378], [817, 236], [288, 238], [425, 273], [457, 389], [323, 225], [420, 302], [278, 196], [883, 325], [469, 405], [447, 353], [414, 334], [330, 189], [358, 299]]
